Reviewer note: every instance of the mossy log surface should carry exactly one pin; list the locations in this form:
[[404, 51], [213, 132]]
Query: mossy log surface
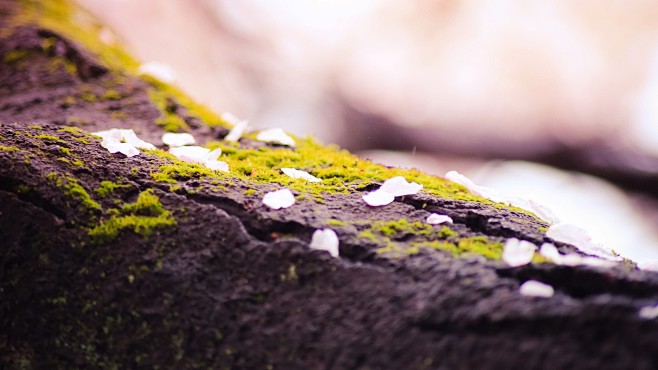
[[147, 262]]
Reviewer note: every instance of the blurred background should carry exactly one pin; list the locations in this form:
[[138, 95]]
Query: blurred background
[[556, 101]]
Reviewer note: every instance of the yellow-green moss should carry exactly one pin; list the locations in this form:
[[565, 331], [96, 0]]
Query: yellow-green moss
[[143, 217], [75, 24], [391, 228], [250, 192], [49, 138], [74, 191], [333, 222], [107, 187], [8, 148], [14, 56], [111, 95]]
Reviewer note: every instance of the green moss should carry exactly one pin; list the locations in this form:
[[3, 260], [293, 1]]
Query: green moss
[[111, 95], [14, 56], [332, 222], [35, 127], [49, 138], [75, 24], [77, 192], [107, 187], [88, 96], [250, 192], [368, 234], [8, 148], [166, 97], [64, 151], [392, 228], [169, 120], [143, 217]]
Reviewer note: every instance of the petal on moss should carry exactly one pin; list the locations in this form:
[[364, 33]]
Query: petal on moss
[[237, 131], [158, 70], [378, 198], [398, 186], [178, 139], [299, 174], [190, 154], [276, 136]]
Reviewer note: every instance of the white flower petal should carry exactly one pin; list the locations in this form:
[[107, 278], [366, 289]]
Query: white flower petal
[[398, 186], [236, 132], [325, 240], [124, 148], [533, 288], [378, 198], [299, 174], [213, 155], [123, 141], [518, 252], [579, 238], [275, 135], [436, 219], [217, 165], [130, 137], [543, 212], [279, 199], [550, 252], [190, 154], [158, 70], [478, 190], [230, 118], [178, 139], [648, 312]]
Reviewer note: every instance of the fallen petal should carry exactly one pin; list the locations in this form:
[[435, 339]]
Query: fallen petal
[[378, 198], [124, 148], [279, 199], [648, 312], [217, 165], [325, 240], [190, 154], [299, 174], [178, 139], [436, 219], [518, 252], [398, 186], [213, 155], [534, 288], [275, 135], [478, 190], [579, 238], [158, 70], [236, 132]]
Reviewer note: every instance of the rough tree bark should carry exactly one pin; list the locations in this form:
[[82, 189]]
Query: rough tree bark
[[146, 262]]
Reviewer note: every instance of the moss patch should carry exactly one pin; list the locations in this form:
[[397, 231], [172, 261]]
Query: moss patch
[[143, 217], [108, 187]]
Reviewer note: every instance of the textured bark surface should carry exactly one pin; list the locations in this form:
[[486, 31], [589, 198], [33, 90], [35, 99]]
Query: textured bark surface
[[234, 284]]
